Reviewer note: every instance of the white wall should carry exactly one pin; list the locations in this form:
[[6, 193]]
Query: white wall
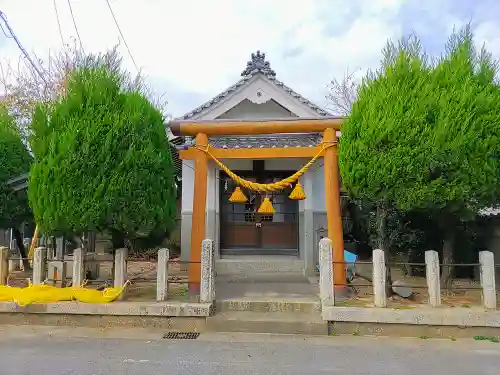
[[246, 110], [187, 186], [318, 176]]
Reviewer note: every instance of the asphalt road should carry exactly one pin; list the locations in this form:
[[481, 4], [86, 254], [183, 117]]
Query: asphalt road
[[58, 351]]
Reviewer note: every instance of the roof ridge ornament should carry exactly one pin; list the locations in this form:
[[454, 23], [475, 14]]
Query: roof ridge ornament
[[258, 63]]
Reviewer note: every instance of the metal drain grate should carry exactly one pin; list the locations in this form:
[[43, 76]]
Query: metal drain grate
[[181, 335]]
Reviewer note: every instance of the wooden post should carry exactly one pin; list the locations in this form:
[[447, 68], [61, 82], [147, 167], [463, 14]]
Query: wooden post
[[199, 214], [332, 193]]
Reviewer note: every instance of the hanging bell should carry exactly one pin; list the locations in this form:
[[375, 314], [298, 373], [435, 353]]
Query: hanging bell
[[297, 193], [266, 207], [238, 196]]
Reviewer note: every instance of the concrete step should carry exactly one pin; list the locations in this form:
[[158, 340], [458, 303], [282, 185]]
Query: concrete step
[[252, 265], [268, 322], [297, 305]]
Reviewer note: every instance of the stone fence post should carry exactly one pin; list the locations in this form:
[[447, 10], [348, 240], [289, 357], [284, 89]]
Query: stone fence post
[[432, 276], [487, 277], [39, 265], [379, 279], [162, 275], [326, 288], [207, 287], [78, 267], [4, 264], [120, 275]]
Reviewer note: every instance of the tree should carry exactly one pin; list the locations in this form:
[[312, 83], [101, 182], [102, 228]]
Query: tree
[[401, 235], [102, 160], [25, 87], [423, 136], [14, 161], [342, 94]]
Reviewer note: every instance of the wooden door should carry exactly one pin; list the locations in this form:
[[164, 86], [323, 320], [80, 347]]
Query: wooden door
[[244, 230], [280, 231], [239, 227]]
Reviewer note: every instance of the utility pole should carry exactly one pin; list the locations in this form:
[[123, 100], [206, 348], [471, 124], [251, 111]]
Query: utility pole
[[20, 46]]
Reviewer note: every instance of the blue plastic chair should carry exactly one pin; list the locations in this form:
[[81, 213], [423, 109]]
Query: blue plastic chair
[[350, 265]]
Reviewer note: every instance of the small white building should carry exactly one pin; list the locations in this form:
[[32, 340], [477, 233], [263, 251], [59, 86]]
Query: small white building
[[297, 226]]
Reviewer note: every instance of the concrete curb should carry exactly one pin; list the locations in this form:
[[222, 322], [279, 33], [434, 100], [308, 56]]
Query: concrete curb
[[459, 317], [161, 309]]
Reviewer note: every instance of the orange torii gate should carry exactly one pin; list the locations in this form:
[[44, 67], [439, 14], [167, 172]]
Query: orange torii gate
[[201, 152]]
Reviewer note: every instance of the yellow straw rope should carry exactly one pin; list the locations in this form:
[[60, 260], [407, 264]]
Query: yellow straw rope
[[275, 186]]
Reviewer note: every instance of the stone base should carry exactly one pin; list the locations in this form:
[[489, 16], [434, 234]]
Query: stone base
[[409, 330], [254, 265], [268, 322], [181, 324], [160, 309], [424, 316]]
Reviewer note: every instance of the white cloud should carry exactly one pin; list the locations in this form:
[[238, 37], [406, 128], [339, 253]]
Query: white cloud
[[196, 48]]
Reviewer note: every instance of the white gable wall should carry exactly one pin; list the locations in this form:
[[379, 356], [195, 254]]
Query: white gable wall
[[267, 89], [248, 110]]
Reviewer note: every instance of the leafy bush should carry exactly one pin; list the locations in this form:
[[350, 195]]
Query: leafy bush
[[103, 161], [426, 136], [15, 160]]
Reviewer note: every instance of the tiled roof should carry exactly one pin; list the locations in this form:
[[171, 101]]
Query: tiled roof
[[257, 65], [267, 141], [175, 155]]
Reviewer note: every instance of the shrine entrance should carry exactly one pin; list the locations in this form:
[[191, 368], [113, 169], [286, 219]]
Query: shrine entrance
[[202, 151], [244, 231]]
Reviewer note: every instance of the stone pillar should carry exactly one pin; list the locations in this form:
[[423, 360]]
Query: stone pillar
[[91, 239], [4, 264], [60, 245], [326, 289], [120, 275], [39, 265], [57, 272], [207, 287], [14, 262], [432, 276], [78, 267], [379, 279], [487, 276], [162, 275]]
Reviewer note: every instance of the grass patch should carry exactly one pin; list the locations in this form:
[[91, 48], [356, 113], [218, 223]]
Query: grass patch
[[487, 338], [403, 307]]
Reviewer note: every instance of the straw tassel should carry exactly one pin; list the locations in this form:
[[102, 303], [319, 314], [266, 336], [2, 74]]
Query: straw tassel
[[297, 193], [266, 207], [238, 196]]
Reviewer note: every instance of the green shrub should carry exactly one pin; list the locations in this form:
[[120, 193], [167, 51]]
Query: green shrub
[[103, 161], [15, 160]]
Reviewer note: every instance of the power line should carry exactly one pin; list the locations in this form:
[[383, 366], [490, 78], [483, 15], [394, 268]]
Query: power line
[[4, 33], [121, 34], [58, 23], [20, 46], [76, 27]]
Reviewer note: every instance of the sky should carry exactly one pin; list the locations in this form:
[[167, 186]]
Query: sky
[[191, 50]]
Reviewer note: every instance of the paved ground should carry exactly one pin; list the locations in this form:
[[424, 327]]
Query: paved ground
[[284, 286], [78, 351]]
